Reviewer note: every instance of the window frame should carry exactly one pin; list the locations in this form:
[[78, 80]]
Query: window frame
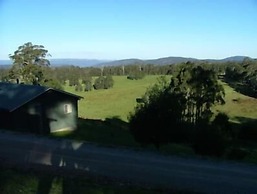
[[67, 108]]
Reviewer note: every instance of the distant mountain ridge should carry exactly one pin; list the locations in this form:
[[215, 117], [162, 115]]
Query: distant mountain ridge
[[170, 61], [76, 62], [159, 61]]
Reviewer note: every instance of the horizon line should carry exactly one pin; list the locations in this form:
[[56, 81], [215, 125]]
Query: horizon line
[[74, 58]]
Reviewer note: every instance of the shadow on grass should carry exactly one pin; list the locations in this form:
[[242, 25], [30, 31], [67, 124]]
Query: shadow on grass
[[244, 146], [111, 131], [241, 88]]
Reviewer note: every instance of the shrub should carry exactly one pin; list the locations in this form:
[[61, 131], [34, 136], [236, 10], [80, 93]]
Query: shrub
[[99, 83], [53, 83], [157, 119], [103, 82], [88, 85], [136, 76], [222, 124], [108, 82], [248, 132], [209, 141], [237, 154], [79, 88]]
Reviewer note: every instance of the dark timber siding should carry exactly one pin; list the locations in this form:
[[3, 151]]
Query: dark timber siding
[[45, 114]]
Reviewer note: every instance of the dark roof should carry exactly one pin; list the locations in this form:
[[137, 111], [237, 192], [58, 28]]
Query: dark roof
[[13, 96]]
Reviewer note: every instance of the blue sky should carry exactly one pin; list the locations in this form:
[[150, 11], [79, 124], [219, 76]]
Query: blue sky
[[118, 29]]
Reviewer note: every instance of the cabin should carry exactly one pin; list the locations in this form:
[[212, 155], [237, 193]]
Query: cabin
[[37, 109]]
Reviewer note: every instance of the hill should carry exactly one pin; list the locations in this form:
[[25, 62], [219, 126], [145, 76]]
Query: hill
[[76, 62], [159, 61], [170, 61]]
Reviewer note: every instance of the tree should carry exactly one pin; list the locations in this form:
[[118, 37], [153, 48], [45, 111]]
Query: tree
[[103, 82], [29, 62], [52, 83], [200, 90], [88, 85], [99, 83], [87, 81], [167, 109], [108, 82], [157, 118], [78, 88]]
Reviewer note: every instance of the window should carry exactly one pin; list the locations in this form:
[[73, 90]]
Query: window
[[67, 108]]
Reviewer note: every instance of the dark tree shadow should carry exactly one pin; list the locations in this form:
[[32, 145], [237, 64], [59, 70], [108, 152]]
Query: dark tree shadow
[[241, 88], [111, 131]]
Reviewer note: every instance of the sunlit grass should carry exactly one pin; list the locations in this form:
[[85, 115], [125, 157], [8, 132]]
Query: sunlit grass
[[118, 101], [238, 106]]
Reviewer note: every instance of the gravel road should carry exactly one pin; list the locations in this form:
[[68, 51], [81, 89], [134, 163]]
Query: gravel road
[[150, 168]]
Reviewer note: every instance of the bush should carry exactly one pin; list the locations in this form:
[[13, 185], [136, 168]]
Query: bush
[[136, 76], [209, 141], [222, 124], [53, 83], [99, 83], [108, 82], [79, 88], [157, 119], [88, 85], [248, 132], [103, 82], [87, 81], [237, 154], [73, 81]]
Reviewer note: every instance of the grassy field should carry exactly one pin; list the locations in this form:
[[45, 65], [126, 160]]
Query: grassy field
[[120, 100], [238, 107], [115, 102]]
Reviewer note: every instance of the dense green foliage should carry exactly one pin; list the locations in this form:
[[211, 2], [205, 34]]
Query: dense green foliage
[[243, 76], [28, 63], [103, 82], [30, 66], [169, 109]]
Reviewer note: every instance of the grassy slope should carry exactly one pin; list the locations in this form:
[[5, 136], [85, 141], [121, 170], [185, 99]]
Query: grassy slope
[[238, 106]]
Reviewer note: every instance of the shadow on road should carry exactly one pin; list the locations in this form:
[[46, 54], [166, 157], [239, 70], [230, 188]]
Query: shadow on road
[[111, 131], [60, 159]]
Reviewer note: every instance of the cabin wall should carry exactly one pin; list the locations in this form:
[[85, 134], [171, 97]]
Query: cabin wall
[[50, 112]]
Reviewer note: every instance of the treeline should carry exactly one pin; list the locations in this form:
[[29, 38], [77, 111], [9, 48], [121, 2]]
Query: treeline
[[134, 71], [82, 77], [243, 76], [180, 111]]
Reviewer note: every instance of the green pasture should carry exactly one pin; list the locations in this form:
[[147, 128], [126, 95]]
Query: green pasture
[[238, 107], [115, 102], [120, 100]]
